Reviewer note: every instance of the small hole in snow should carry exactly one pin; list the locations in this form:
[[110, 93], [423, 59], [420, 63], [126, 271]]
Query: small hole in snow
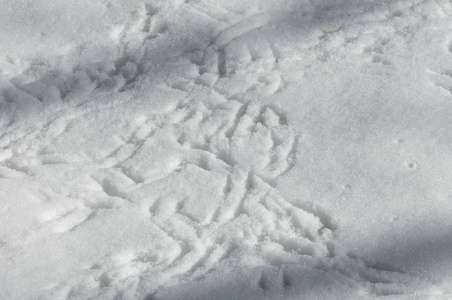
[[104, 281], [412, 165]]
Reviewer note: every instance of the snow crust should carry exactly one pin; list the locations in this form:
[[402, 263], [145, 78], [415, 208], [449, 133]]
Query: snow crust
[[206, 149]]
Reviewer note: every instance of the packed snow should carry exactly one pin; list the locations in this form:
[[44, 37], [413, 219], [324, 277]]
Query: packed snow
[[201, 149]]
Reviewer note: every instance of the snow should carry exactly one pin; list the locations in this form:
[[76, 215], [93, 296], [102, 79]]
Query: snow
[[240, 150]]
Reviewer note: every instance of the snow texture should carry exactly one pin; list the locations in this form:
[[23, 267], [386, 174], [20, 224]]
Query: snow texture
[[206, 149]]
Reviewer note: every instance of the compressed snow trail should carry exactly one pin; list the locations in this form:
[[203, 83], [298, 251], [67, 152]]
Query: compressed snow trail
[[154, 174]]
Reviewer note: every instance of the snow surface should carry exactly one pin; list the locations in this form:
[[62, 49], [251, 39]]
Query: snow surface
[[202, 149]]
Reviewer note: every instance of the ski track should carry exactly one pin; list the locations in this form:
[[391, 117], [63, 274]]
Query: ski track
[[247, 143]]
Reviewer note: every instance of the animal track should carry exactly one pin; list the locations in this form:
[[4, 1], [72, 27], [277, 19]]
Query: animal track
[[242, 148], [201, 171], [241, 209]]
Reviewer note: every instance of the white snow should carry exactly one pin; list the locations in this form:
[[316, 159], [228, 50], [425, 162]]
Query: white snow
[[201, 149]]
